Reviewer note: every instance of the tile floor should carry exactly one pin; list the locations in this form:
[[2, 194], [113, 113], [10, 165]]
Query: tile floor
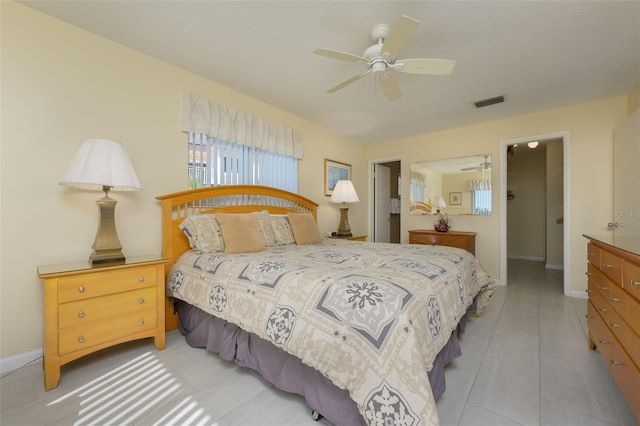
[[525, 362]]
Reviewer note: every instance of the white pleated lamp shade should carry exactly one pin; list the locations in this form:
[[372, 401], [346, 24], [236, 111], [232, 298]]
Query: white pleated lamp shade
[[101, 162], [344, 192]]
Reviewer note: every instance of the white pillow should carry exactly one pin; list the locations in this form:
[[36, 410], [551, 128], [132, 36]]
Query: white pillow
[[203, 232]]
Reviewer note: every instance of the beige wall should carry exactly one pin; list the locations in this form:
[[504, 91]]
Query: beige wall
[[61, 85], [591, 134]]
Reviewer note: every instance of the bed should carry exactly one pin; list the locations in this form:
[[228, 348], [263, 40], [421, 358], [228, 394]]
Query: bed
[[361, 330]]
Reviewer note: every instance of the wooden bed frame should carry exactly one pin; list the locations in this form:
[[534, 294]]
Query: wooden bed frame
[[219, 199]]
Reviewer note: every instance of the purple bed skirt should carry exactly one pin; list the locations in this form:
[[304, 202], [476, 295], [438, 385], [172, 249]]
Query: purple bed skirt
[[285, 371]]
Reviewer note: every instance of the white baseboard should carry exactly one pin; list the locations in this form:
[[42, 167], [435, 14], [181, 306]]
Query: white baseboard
[[14, 362], [515, 256], [557, 267], [579, 294]]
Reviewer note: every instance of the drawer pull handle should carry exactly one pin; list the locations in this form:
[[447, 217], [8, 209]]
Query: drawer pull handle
[[81, 339], [606, 265], [602, 309], [613, 362], [141, 322], [613, 324], [589, 273], [602, 342], [601, 287], [615, 299], [632, 282], [80, 314], [141, 301], [141, 279], [81, 289]]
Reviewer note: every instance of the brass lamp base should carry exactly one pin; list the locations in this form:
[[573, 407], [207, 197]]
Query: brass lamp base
[[344, 230], [107, 249]]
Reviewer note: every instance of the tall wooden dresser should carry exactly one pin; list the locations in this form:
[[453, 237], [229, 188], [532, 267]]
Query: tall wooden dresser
[[613, 311]]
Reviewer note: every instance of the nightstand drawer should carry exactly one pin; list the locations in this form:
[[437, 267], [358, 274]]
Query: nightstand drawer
[[81, 337], [97, 284], [88, 310]]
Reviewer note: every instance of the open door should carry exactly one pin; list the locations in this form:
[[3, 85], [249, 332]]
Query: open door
[[382, 197]]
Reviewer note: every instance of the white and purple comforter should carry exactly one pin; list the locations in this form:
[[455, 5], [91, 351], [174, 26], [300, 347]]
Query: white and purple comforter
[[371, 317]]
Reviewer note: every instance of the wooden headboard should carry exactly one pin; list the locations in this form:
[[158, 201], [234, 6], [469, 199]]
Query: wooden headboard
[[219, 199]]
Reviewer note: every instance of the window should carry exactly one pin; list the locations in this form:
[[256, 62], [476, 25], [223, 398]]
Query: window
[[214, 162], [481, 202], [416, 186]]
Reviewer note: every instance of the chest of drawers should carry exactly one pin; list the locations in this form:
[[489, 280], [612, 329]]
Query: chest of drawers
[[463, 240], [613, 314], [87, 309]]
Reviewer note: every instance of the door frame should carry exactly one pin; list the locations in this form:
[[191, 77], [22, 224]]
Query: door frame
[[566, 188], [371, 208]]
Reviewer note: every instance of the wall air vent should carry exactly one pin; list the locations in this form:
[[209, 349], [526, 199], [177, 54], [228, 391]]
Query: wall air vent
[[490, 101]]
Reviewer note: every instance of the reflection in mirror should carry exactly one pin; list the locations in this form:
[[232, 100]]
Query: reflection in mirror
[[456, 186]]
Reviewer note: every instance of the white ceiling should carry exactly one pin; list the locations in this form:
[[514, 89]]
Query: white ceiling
[[540, 54]]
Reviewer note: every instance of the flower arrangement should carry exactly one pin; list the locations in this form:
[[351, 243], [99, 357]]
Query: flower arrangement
[[443, 223]]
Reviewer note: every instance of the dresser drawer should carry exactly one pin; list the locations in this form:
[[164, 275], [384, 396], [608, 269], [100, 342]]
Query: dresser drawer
[[593, 254], [82, 337], [599, 332], [627, 376], [598, 283], [631, 278], [428, 239], [97, 284], [626, 306], [601, 305], [611, 265], [98, 308], [626, 336]]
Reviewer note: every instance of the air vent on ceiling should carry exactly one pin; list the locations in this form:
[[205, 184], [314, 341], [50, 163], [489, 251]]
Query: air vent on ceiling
[[490, 101]]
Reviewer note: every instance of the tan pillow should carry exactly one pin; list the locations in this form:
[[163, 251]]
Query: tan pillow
[[282, 230], [241, 232], [203, 232], [304, 228]]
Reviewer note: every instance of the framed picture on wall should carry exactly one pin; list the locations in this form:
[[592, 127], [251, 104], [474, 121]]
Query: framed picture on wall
[[455, 198], [333, 172]]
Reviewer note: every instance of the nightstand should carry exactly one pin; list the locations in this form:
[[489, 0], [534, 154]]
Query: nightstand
[[87, 309], [352, 238], [463, 240]]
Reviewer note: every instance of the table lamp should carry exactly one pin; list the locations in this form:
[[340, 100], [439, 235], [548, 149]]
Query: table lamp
[[438, 203], [101, 164], [344, 193]]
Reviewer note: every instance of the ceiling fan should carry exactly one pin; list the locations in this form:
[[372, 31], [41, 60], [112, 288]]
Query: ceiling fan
[[380, 58], [484, 165]]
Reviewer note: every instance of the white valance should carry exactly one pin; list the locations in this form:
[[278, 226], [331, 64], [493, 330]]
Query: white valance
[[479, 184], [204, 116]]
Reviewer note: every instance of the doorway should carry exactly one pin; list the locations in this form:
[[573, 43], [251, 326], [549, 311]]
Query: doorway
[[386, 190], [548, 226]]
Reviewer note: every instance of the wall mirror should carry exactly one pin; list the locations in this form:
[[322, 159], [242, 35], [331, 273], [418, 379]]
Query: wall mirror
[[455, 186]]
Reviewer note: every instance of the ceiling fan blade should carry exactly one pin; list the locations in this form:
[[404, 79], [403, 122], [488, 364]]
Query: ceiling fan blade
[[390, 87], [335, 54], [348, 81], [400, 34], [425, 66]]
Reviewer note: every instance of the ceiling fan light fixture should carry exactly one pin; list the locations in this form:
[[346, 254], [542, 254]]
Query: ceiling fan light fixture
[[489, 101]]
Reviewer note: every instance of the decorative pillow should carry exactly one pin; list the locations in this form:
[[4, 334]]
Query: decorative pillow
[[304, 228], [267, 230], [282, 230], [241, 232], [203, 232]]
